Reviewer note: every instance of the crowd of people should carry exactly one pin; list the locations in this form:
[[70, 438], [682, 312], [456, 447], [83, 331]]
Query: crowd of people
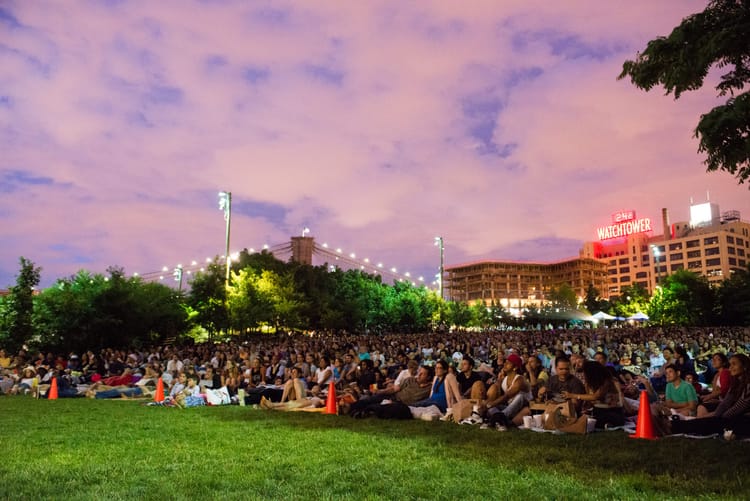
[[697, 379]]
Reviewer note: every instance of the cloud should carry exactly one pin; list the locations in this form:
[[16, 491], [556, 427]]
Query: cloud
[[377, 125]]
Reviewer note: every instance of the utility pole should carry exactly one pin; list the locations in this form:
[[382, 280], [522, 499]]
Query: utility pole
[[225, 204], [178, 276], [439, 243]]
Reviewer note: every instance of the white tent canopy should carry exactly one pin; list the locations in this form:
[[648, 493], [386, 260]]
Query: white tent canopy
[[638, 316], [600, 315]]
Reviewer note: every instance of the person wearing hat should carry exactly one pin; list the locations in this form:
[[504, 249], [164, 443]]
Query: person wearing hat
[[513, 393], [27, 382]]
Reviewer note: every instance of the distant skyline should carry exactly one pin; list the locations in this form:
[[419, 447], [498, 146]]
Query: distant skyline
[[499, 126]]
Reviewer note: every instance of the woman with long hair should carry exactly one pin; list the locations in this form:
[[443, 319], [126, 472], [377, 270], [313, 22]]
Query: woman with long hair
[[732, 413], [604, 393], [720, 385], [437, 394]]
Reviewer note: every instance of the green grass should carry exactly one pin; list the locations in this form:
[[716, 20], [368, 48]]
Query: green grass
[[94, 449]]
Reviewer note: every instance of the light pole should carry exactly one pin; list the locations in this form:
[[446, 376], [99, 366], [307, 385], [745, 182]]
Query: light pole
[[225, 204], [178, 276], [439, 243]]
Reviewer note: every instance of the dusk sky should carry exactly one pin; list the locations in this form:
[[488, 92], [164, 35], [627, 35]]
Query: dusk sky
[[499, 125]]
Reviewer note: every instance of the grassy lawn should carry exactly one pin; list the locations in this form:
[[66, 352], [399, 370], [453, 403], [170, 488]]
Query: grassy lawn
[[94, 449]]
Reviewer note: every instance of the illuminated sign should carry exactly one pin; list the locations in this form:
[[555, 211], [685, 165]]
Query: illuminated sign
[[623, 215], [624, 223]]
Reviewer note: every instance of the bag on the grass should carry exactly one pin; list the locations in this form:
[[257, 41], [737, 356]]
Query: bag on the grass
[[463, 408], [558, 416]]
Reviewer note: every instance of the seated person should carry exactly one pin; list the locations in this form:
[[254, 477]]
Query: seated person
[[511, 393], [681, 396], [468, 384], [733, 413], [411, 390], [603, 392]]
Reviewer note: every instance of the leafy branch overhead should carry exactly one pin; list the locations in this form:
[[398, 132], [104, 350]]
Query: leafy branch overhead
[[719, 36]]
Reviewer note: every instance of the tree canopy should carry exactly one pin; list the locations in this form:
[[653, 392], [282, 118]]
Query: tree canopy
[[719, 36]]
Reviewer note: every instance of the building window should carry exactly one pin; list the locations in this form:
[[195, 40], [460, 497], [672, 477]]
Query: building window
[[625, 269], [692, 243], [693, 254], [741, 252], [613, 262], [740, 241], [730, 239], [694, 264], [641, 274], [741, 262], [712, 251], [612, 271], [714, 273], [710, 240], [624, 261], [675, 246], [642, 284], [732, 261], [677, 256], [626, 278], [713, 262], [731, 251], [676, 267]]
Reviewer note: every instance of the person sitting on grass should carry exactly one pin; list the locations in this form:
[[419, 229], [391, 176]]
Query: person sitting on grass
[[680, 395], [563, 380], [437, 393], [466, 384], [720, 385], [26, 383], [508, 395], [604, 393], [733, 413], [411, 390]]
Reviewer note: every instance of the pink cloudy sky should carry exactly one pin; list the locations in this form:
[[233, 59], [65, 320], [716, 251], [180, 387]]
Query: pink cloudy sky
[[379, 125]]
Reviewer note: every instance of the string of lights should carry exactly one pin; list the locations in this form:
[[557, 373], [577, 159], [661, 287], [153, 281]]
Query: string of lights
[[333, 256]]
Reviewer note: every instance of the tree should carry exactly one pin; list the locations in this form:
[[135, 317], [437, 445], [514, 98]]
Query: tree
[[680, 62], [685, 298], [207, 297], [733, 298], [89, 311], [16, 327]]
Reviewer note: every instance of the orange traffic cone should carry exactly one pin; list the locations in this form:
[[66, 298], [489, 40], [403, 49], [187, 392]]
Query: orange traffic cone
[[159, 393], [645, 426], [331, 400], [52, 393]]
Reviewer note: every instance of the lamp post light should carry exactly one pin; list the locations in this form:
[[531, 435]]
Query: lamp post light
[[225, 204], [439, 243], [178, 276], [656, 261]]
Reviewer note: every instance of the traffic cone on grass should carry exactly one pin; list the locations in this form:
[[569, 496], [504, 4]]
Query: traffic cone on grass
[[331, 400], [52, 394], [645, 426], [159, 393]]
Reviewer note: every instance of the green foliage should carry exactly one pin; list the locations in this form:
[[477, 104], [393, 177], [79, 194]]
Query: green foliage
[[632, 299], [457, 313], [16, 310], [207, 297], [563, 299], [680, 62], [733, 299], [93, 311], [685, 298]]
